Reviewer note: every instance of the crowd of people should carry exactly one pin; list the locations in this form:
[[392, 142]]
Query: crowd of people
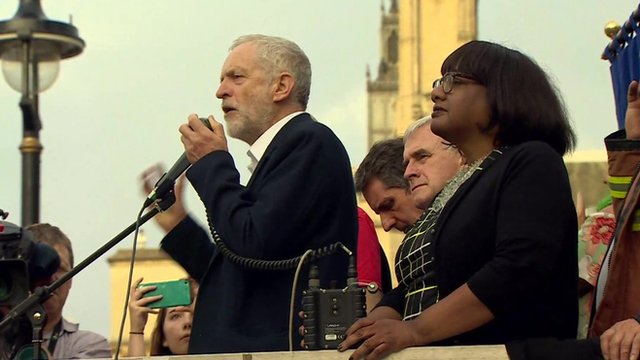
[[479, 188]]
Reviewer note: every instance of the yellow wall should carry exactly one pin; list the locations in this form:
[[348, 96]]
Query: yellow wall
[[429, 30]]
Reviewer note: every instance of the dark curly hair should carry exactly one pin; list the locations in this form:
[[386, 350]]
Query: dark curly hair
[[383, 162]]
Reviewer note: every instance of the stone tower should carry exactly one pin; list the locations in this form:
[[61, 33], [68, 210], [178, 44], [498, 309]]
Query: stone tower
[[383, 91], [429, 31]]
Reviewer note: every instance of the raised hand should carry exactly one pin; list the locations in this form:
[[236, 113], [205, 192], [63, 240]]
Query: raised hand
[[138, 306], [632, 118], [171, 217]]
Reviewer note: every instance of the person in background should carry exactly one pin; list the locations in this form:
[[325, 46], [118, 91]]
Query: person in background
[[380, 179], [495, 241], [594, 237], [429, 162], [64, 339], [616, 333], [172, 329], [617, 297]]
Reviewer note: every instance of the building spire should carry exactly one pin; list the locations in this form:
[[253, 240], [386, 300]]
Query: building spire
[[394, 7]]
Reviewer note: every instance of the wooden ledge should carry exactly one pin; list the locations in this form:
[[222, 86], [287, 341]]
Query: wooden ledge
[[481, 352]]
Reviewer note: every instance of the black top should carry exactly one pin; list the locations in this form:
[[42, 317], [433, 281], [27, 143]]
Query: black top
[[300, 196]]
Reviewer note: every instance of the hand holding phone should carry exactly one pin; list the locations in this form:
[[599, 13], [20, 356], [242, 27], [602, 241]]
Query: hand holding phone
[[174, 293], [138, 306]]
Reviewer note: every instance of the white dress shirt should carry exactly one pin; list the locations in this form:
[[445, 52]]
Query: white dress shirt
[[258, 148]]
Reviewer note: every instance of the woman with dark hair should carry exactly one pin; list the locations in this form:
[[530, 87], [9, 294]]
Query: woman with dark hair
[[172, 329], [498, 261], [171, 332]]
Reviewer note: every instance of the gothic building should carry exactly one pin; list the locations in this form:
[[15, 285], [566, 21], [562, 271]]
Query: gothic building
[[383, 91], [415, 37]]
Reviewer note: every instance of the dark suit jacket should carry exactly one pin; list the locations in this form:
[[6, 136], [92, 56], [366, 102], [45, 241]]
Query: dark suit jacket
[[510, 233], [301, 196]]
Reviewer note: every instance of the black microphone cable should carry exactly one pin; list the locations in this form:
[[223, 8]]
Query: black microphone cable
[[129, 280], [287, 264], [260, 264]]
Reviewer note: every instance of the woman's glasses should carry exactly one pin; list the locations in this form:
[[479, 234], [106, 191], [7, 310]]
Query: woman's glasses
[[451, 78]]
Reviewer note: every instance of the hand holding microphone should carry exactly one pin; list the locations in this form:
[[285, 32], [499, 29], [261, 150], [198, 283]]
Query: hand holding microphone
[[199, 139]]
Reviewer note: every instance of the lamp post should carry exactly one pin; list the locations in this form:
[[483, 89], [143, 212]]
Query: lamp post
[[31, 47]]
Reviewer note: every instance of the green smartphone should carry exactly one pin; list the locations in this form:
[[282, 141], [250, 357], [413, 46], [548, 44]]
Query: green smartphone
[[174, 293]]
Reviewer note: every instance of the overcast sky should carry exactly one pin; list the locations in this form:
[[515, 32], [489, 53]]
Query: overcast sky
[[115, 109]]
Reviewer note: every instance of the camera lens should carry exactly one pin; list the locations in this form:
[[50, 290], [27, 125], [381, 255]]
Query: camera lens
[[14, 282], [5, 286]]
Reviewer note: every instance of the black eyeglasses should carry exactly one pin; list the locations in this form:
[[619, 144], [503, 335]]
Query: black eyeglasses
[[449, 79]]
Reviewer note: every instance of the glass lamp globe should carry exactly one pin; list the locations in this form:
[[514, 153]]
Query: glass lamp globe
[[48, 66]]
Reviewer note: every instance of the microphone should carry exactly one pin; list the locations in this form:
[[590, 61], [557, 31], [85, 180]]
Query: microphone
[[167, 181]]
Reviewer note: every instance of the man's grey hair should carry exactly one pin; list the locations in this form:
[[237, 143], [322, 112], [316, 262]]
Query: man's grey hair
[[418, 124], [278, 54], [414, 126]]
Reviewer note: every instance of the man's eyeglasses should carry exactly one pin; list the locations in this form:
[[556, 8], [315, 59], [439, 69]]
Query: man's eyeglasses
[[449, 79]]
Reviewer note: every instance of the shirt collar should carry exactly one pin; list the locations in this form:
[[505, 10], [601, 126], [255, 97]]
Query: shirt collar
[[67, 327], [257, 150]]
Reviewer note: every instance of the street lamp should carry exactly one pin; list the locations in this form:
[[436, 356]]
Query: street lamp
[[31, 47]]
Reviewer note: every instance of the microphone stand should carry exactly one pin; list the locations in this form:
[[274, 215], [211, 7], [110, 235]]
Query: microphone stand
[[32, 305]]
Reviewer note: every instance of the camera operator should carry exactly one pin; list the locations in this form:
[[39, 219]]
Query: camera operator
[[62, 338]]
